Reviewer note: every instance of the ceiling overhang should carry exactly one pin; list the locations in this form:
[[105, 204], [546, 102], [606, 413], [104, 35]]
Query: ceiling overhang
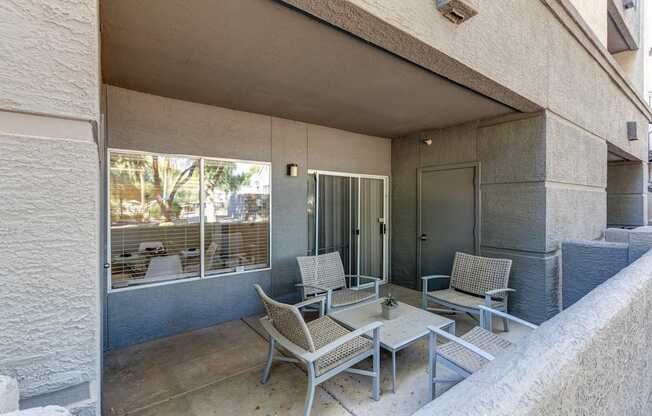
[[261, 56]]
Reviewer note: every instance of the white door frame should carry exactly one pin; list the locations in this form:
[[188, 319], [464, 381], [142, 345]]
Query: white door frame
[[385, 180]]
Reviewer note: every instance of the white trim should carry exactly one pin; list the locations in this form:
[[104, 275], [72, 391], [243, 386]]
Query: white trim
[[183, 280], [346, 174], [202, 271], [224, 159], [202, 220]]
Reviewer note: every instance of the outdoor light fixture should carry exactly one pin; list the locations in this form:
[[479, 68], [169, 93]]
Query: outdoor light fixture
[[293, 169], [631, 131], [629, 4], [427, 141], [457, 11]]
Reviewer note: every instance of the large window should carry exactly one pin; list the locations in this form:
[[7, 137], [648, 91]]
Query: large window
[[162, 208]]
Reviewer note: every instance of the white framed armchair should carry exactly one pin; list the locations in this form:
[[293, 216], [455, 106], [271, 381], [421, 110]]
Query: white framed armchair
[[467, 354], [323, 346], [472, 280], [323, 275]]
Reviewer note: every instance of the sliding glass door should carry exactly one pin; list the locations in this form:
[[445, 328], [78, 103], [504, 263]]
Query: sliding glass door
[[347, 214]]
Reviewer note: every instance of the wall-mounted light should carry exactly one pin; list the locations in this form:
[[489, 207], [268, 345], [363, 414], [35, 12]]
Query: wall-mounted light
[[427, 142], [293, 169], [629, 4], [457, 11], [631, 131]]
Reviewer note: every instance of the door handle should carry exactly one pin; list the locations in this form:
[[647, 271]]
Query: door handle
[[423, 237]]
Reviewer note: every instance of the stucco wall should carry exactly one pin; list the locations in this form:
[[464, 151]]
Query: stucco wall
[[49, 57], [49, 308], [627, 194], [563, 68], [579, 362], [542, 181], [594, 12], [150, 123]]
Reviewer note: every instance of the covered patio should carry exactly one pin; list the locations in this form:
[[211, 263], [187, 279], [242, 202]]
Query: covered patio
[[217, 371]]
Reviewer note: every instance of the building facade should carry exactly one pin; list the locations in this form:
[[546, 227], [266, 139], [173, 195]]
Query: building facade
[[504, 135]]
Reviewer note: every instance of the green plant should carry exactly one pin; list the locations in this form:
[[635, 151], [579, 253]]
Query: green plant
[[390, 301]]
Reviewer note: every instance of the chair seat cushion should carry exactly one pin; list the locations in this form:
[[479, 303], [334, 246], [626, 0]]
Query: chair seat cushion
[[343, 297], [470, 361], [456, 297], [324, 331]]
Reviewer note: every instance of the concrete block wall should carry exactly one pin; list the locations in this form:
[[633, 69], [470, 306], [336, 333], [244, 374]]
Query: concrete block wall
[[627, 194], [49, 176], [542, 181], [578, 362], [588, 264]]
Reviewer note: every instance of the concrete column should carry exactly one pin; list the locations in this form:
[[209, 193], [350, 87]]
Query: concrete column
[[49, 176], [627, 194]]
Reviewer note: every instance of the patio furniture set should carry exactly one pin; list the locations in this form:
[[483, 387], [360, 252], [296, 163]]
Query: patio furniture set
[[350, 327]]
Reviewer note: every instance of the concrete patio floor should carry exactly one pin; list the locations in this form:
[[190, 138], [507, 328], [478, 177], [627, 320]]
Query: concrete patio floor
[[216, 371]]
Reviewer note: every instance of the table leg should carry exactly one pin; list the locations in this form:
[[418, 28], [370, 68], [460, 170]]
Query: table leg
[[393, 371], [451, 329]]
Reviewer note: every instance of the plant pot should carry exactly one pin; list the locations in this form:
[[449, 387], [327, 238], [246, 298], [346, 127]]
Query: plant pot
[[390, 312]]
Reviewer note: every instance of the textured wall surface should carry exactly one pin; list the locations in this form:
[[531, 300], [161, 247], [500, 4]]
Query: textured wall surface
[[150, 123], [553, 191], [8, 394], [588, 264], [49, 337], [577, 363], [627, 193], [49, 57]]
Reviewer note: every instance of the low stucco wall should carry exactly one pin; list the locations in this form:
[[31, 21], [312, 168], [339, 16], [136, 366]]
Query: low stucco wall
[[591, 359]]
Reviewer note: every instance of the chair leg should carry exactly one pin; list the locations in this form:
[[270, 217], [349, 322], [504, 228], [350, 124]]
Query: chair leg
[[270, 358], [432, 362], [376, 363], [310, 395]]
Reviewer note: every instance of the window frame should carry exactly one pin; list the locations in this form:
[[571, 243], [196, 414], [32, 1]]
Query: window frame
[[202, 198]]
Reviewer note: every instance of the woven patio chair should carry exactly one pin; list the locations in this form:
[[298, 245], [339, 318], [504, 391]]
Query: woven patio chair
[[467, 354], [323, 275], [323, 346], [472, 279]]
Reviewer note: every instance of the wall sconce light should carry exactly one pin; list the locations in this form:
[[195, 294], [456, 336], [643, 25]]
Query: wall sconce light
[[293, 169], [427, 142], [631, 131], [457, 11]]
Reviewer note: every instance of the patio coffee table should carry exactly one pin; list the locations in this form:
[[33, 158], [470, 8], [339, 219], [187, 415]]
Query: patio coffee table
[[409, 326]]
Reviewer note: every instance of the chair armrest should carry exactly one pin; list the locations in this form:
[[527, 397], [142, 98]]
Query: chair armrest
[[364, 277], [343, 340], [497, 291], [435, 276], [507, 316], [464, 344], [315, 299], [323, 289], [488, 296]]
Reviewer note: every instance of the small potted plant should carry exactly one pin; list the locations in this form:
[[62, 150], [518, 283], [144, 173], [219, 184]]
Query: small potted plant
[[390, 307]]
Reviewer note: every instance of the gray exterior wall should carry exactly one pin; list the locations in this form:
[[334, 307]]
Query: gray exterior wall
[[145, 122], [579, 362], [627, 193], [542, 181], [49, 185], [564, 68]]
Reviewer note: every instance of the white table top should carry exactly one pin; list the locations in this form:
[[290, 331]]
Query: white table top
[[410, 324]]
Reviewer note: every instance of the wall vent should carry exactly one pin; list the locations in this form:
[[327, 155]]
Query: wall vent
[[457, 11]]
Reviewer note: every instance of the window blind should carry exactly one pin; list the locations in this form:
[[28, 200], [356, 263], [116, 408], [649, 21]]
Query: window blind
[[156, 219]]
